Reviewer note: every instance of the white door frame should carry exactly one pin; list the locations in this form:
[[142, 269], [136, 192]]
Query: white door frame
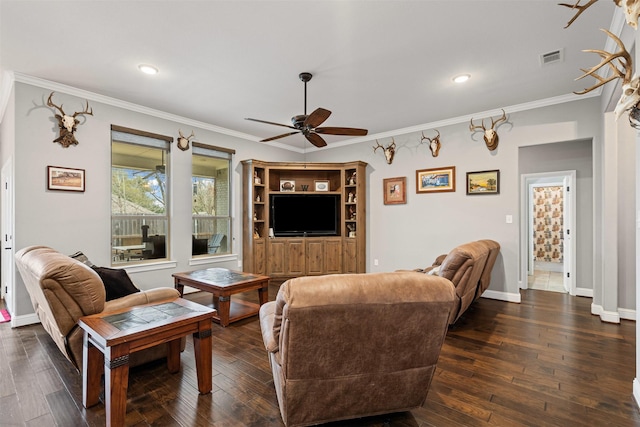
[[568, 180], [6, 260]]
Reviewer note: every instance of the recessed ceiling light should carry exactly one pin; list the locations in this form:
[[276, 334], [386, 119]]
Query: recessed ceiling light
[[147, 69], [461, 78]]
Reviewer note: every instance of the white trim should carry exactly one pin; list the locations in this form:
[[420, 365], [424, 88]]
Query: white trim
[[213, 259], [636, 391], [627, 314], [605, 316], [7, 80], [24, 320], [138, 268], [584, 292], [502, 296]]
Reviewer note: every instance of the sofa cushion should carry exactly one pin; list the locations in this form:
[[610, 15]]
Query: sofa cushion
[[117, 283]]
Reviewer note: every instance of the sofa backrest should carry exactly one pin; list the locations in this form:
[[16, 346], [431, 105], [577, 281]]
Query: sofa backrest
[[61, 289], [464, 266], [485, 278]]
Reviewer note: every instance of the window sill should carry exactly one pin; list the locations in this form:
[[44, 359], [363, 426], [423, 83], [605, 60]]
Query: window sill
[[137, 268], [214, 259]]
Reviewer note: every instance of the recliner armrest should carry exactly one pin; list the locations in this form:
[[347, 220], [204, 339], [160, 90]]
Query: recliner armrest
[[267, 320], [142, 297]]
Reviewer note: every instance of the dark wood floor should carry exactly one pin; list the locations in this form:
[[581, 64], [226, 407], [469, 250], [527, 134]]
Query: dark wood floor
[[545, 362]]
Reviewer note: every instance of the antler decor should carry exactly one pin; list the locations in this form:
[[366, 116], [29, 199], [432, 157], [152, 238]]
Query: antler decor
[[631, 10], [68, 124], [491, 138], [183, 141], [434, 143], [389, 150]]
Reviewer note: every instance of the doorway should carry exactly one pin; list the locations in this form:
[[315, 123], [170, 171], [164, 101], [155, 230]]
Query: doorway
[[548, 223]]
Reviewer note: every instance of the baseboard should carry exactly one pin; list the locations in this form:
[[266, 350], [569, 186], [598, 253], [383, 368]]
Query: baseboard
[[502, 296], [24, 320], [584, 292], [636, 392], [627, 314], [605, 316]]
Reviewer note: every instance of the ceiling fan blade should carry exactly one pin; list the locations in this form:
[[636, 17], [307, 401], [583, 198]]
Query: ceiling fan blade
[[280, 136], [342, 131], [316, 118], [316, 139], [270, 123]]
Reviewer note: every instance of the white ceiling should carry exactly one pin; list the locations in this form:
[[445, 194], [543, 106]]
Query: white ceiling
[[379, 65]]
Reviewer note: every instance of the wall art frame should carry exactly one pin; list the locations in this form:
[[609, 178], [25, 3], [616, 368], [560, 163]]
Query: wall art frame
[[65, 179], [436, 180], [395, 190], [321, 185], [483, 182]]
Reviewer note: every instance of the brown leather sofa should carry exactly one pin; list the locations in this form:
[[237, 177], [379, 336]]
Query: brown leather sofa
[[468, 267], [353, 345], [63, 289]]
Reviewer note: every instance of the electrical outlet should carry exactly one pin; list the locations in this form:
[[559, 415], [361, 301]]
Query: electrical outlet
[[509, 219], [375, 262]]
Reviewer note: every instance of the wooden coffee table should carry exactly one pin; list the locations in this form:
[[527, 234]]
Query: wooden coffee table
[[110, 337], [223, 283]]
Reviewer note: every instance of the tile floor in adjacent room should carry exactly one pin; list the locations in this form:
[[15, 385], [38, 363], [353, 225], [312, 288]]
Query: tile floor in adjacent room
[[544, 278]]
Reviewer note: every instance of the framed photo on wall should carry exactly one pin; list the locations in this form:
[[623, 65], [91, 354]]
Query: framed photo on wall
[[65, 179], [483, 182], [439, 180], [395, 190]]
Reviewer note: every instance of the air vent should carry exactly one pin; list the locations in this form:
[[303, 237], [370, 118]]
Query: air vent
[[552, 57]]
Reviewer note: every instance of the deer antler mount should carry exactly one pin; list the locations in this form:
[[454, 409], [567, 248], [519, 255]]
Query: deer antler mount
[[389, 150], [183, 141], [631, 9], [68, 124], [491, 138], [434, 143]]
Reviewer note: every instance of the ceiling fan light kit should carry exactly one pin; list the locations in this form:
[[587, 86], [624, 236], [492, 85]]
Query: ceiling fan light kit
[[307, 125]]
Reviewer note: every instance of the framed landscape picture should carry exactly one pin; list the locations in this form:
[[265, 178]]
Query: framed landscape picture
[[483, 182], [65, 179], [395, 190], [437, 180]]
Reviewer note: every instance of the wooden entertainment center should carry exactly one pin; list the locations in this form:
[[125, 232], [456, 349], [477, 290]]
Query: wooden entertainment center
[[281, 258]]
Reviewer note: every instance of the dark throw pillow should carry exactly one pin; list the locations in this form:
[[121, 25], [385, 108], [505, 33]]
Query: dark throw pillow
[[116, 281]]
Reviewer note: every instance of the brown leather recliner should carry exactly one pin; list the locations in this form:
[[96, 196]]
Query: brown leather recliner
[[468, 267], [63, 289], [353, 345]]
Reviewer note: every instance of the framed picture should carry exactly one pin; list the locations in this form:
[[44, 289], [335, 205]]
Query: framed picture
[[65, 179], [438, 180], [483, 182], [395, 190], [321, 185], [287, 185]]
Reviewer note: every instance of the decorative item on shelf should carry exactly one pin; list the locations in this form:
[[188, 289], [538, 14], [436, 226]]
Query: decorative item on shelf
[[258, 199], [395, 190], [304, 187], [271, 234], [352, 179], [355, 199], [490, 135], [434, 143], [438, 180], [183, 141], [352, 230], [389, 150], [68, 124], [352, 213], [256, 178], [287, 185], [65, 179], [255, 216], [321, 185], [483, 182], [256, 234], [350, 198]]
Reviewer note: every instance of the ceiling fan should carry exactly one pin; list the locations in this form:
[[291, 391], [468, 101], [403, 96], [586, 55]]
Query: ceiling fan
[[308, 124]]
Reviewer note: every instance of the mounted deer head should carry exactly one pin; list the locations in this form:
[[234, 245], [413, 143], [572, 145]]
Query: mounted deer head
[[434, 143], [490, 135], [630, 83], [631, 10], [67, 124], [389, 150], [183, 141]]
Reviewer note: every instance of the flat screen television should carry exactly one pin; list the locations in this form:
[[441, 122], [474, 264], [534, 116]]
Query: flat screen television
[[304, 214]]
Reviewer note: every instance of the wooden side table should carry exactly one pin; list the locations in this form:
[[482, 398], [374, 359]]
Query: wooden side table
[[110, 337]]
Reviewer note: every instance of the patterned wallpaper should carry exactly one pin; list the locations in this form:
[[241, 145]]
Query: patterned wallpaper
[[547, 223]]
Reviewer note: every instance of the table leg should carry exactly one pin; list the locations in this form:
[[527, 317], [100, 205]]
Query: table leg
[[116, 378], [173, 355], [179, 286], [202, 350], [263, 294], [92, 369], [224, 308]]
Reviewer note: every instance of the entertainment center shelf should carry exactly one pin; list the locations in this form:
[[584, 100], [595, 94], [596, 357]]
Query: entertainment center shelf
[[281, 240]]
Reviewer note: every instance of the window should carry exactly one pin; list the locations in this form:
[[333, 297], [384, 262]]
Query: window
[[211, 207], [139, 198]]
